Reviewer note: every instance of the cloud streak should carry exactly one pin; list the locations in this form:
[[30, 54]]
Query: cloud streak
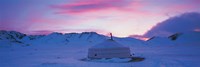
[[91, 5]]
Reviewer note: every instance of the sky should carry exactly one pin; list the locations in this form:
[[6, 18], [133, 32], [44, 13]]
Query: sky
[[120, 17]]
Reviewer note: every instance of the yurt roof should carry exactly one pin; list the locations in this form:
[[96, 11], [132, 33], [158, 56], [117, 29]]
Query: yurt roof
[[108, 44]]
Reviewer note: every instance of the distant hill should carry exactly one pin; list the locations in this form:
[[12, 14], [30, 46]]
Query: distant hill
[[84, 38], [177, 38]]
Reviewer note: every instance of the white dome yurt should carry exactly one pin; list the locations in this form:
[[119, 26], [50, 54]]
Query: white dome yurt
[[109, 49]]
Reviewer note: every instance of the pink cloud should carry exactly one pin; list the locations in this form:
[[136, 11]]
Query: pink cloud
[[197, 30], [41, 18], [90, 6], [139, 37]]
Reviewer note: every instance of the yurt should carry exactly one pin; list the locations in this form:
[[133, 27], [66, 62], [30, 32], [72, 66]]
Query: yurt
[[109, 49]]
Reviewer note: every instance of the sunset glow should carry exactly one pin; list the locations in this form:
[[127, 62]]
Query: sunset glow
[[121, 17]]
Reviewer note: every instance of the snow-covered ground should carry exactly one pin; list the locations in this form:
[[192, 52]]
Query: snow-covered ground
[[39, 53], [184, 55]]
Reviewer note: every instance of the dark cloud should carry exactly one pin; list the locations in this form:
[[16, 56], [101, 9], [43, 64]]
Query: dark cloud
[[184, 23]]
